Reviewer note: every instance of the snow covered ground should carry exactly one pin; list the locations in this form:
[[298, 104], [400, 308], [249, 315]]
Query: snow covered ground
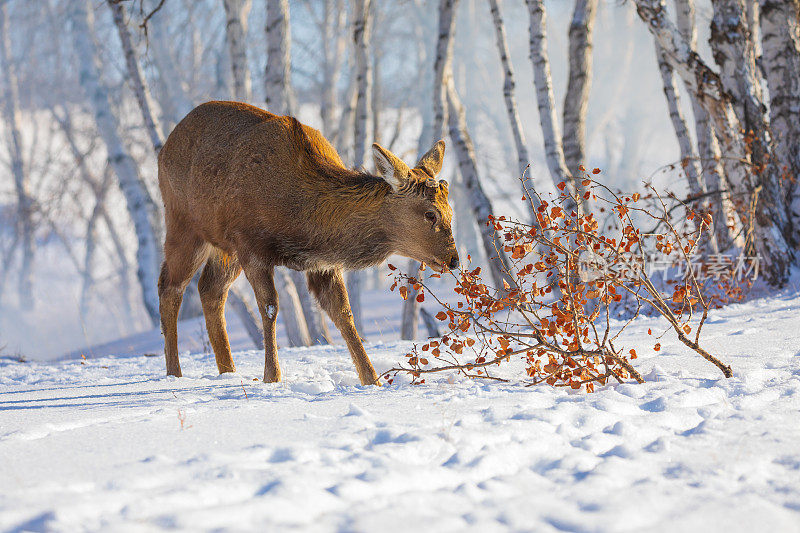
[[110, 444]]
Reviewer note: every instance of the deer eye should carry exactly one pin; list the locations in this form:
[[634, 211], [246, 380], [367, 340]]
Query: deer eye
[[430, 216]]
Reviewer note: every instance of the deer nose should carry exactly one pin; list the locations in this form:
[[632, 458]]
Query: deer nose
[[453, 264]]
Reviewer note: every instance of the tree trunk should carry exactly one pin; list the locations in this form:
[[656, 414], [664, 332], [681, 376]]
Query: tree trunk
[[140, 205], [707, 145], [734, 51], [780, 28], [136, 78], [293, 321], [91, 241], [523, 159], [576, 101], [480, 203], [333, 48], [97, 187], [711, 177], [236, 12], [688, 156], [361, 37], [21, 182], [247, 316], [280, 100], [767, 237], [277, 80], [553, 151], [443, 65]]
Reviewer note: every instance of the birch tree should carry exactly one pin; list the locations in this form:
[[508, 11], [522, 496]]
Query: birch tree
[[766, 238], [135, 77], [576, 100], [361, 37], [517, 132], [280, 100], [543, 84], [707, 146], [780, 59], [480, 203], [140, 205], [734, 52], [333, 50], [236, 12], [687, 153], [443, 65], [277, 84], [11, 112], [409, 320]]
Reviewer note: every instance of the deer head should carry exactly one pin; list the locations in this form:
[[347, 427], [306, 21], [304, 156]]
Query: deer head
[[419, 216]]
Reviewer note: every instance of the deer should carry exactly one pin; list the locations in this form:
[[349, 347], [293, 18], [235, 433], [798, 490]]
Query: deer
[[247, 190]]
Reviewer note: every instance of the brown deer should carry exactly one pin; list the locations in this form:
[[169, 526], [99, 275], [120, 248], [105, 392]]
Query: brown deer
[[244, 189]]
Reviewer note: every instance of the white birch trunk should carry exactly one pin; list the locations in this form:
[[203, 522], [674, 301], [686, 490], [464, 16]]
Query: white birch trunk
[[732, 44], [443, 66], [767, 239], [780, 28], [277, 80], [247, 316], [293, 320], [480, 203], [347, 121], [140, 205], [733, 51], [576, 101], [21, 182], [236, 12], [136, 78], [409, 322], [280, 100], [688, 155], [553, 151], [333, 49], [711, 177], [361, 37], [517, 131]]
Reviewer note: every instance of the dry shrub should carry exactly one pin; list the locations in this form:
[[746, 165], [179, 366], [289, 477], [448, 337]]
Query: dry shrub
[[569, 274]]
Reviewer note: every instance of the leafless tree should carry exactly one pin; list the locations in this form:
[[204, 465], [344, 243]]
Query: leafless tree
[[136, 77], [11, 112], [141, 207], [236, 12], [576, 100], [517, 131], [780, 59], [277, 84], [362, 24], [280, 99], [707, 146], [554, 152], [766, 237]]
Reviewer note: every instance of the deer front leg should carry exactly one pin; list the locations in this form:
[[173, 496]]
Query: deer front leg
[[329, 288], [262, 280]]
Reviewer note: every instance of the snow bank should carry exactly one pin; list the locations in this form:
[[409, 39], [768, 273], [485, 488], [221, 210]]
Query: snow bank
[[111, 444]]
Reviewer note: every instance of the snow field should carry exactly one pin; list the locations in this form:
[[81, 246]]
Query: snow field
[[111, 444]]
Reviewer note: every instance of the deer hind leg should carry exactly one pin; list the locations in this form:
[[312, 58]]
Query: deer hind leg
[[262, 279], [220, 272], [183, 255], [329, 288]]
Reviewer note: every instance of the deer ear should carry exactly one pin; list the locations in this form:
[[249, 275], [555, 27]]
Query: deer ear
[[431, 162], [390, 167]]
